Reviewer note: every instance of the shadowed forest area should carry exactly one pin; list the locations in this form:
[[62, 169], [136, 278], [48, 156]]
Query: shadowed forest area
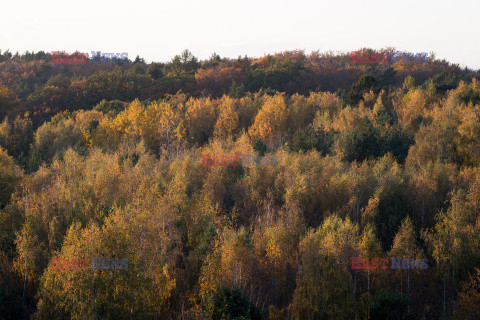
[[375, 160]]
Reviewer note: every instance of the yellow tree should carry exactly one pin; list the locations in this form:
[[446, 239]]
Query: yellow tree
[[159, 124], [10, 175], [413, 105], [325, 289], [467, 305], [455, 242], [227, 123], [468, 138], [126, 125], [276, 247], [200, 118], [370, 248], [271, 121], [406, 250], [8, 98], [141, 240], [232, 264]]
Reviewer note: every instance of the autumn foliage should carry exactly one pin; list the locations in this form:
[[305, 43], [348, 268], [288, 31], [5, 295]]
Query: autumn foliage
[[105, 160]]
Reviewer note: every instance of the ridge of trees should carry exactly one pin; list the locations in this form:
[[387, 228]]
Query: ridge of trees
[[373, 169]]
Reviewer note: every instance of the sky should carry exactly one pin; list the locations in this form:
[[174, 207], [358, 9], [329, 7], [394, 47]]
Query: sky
[[158, 30]]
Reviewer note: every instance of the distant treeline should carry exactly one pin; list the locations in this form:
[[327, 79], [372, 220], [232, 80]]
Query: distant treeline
[[31, 82]]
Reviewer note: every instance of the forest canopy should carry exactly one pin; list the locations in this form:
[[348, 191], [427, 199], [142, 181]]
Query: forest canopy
[[373, 162]]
